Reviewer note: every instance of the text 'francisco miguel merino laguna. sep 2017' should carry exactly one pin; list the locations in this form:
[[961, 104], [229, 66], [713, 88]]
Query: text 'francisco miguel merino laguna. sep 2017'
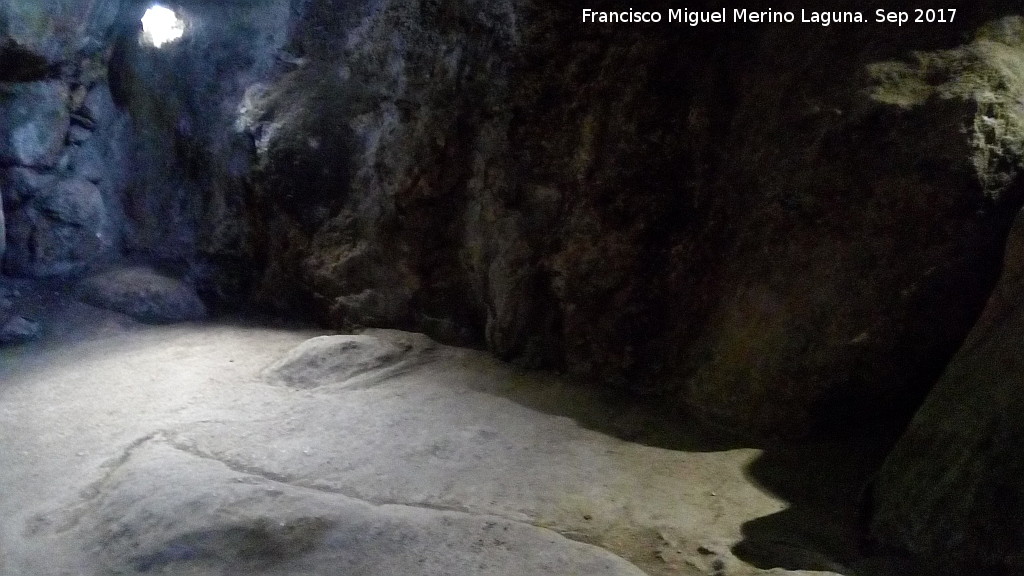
[[745, 16]]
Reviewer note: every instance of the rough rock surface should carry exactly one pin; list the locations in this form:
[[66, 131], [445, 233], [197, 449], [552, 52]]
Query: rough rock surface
[[763, 242], [257, 525], [951, 491], [59, 231], [767, 243], [62, 196], [143, 294], [206, 466], [59, 123], [35, 35], [34, 122], [187, 182], [338, 358]]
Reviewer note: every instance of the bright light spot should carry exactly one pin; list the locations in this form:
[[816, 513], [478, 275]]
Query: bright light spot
[[161, 25]]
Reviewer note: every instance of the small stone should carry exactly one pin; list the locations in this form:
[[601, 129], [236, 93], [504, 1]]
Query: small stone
[[78, 134], [19, 330], [99, 105]]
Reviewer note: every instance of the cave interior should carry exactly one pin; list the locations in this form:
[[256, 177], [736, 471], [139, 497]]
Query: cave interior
[[423, 287]]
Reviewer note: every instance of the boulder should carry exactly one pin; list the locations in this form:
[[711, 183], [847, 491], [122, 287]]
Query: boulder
[[144, 294], [34, 122], [952, 490], [58, 231], [332, 359], [34, 33]]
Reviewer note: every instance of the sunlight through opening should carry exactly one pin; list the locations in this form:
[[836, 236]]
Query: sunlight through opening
[[161, 25]]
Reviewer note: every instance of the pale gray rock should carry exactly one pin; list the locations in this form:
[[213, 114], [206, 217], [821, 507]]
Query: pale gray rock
[[87, 162], [59, 231], [329, 359], [34, 122], [255, 525], [143, 294]]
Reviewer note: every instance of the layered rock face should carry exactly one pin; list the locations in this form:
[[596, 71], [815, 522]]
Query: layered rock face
[[61, 137]]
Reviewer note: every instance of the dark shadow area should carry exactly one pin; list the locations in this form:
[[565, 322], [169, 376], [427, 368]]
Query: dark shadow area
[[824, 481]]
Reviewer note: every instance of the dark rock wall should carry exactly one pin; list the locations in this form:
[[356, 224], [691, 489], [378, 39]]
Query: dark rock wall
[[189, 163], [951, 490], [756, 225]]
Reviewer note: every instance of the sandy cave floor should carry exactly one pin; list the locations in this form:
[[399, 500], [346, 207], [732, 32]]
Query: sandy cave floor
[[232, 448]]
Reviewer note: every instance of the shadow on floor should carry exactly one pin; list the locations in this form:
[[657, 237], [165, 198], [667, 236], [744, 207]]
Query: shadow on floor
[[823, 528], [823, 480], [616, 414]]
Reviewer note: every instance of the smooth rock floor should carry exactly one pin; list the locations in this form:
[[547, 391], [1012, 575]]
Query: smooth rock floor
[[229, 448]]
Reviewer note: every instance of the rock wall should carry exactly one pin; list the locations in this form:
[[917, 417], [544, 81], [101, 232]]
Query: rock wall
[[188, 183], [950, 492], [775, 229], [770, 228], [713, 217]]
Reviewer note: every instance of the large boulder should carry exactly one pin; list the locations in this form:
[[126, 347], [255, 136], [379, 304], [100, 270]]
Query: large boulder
[[35, 34], [952, 490], [144, 294], [58, 231], [34, 122]]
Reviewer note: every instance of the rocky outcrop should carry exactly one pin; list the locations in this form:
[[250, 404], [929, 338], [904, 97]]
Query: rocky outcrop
[[331, 359], [950, 493], [763, 242], [61, 137], [59, 230], [187, 187]]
